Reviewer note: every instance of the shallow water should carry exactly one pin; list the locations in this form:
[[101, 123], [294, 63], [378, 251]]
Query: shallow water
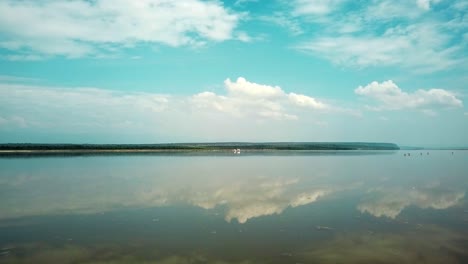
[[338, 207]]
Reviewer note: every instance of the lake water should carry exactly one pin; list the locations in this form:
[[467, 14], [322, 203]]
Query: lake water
[[332, 207]]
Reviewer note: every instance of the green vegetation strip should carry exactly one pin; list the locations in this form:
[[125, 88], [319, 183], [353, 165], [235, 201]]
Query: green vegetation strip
[[197, 146]]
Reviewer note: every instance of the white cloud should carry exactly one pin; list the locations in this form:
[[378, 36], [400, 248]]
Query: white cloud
[[315, 7], [422, 48], [306, 101], [392, 97], [80, 28], [241, 107], [390, 33], [215, 102], [385, 10], [246, 98], [277, 115], [244, 110], [244, 88]]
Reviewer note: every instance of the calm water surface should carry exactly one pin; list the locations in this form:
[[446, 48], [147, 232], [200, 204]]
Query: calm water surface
[[353, 207]]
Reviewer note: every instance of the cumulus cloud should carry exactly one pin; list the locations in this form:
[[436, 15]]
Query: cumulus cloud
[[391, 202], [80, 28], [237, 111], [306, 101], [392, 97], [213, 101], [253, 90], [243, 107], [246, 98]]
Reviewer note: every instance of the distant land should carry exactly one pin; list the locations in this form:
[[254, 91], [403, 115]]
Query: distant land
[[33, 148], [433, 148]]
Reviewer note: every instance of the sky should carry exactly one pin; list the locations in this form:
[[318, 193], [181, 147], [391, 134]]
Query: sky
[[157, 71]]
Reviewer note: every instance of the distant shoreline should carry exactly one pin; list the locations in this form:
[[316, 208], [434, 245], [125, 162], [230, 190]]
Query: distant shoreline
[[83, 149]]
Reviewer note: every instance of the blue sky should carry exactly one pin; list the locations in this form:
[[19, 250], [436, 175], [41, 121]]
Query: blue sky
[[153, 71]]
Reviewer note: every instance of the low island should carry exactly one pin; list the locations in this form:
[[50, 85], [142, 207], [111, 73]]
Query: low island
[[227, 147]]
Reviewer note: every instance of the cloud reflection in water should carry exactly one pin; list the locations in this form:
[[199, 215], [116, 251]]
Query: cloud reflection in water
[[390, 202], [245, 187]]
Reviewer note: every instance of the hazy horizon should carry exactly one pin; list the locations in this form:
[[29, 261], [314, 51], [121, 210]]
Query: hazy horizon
[[402, 146]]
